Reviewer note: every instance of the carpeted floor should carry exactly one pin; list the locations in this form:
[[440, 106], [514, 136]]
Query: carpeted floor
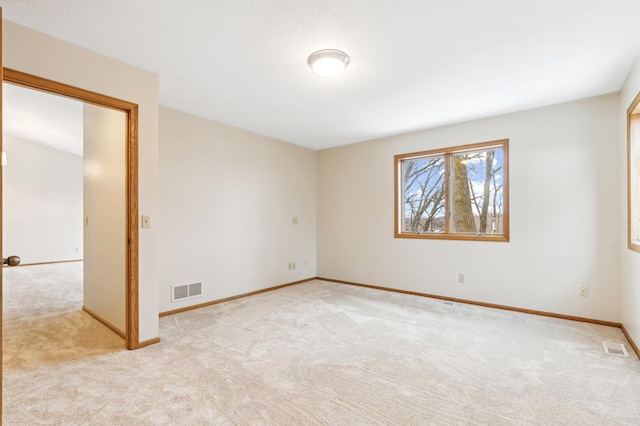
[[313, 353], [43, 321]]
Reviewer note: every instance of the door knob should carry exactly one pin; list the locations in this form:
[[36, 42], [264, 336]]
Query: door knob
[[11, 260]]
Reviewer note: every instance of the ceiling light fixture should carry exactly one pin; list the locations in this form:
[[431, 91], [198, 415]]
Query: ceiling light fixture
[[328, 62]]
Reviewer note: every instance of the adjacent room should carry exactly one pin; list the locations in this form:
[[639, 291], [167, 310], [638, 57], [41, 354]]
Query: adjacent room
[[55, 201], [441, 230]]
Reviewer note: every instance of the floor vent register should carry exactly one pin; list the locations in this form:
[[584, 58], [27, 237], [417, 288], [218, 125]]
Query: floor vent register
[[615, 348], [185, 291]]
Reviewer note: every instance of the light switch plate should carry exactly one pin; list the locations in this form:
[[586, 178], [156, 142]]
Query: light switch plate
[[146, 221]]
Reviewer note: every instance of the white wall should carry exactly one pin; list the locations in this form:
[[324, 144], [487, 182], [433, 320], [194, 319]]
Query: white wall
[[36, 53], [564, 211], [105, 212], [630, 259], [227, 199], [42, 202]]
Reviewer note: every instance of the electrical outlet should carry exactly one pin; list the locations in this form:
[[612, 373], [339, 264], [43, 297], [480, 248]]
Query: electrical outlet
[[461, 278], [294, 220], [584, 291], [292, 265]]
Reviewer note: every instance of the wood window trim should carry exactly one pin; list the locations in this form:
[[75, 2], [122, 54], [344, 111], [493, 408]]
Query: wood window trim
[[447, 152], [631, 117]]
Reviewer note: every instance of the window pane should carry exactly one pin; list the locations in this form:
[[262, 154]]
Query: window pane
[[477, 196], [423, 189], [456, 193]]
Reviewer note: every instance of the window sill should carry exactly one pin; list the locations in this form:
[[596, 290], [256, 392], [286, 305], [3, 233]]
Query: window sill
[[462, 237]]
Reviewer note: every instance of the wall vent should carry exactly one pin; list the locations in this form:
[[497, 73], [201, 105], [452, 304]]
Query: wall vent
[[185, 291], [615, 348]]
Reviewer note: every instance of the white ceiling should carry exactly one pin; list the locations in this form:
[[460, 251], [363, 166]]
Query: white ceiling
[[415, 64], [43, 118]]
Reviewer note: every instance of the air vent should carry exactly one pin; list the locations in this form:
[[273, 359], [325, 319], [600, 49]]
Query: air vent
[[615, 348], [185, 291]]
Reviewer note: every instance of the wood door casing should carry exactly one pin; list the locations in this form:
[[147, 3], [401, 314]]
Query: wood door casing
[[131, 165]]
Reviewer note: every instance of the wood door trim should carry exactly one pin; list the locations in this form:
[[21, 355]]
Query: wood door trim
[[132, 294], [45, 85], [1, 185], [130, 109]]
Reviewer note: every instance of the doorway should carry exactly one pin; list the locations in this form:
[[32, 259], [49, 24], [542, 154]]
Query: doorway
[[67, 164], [42, 169], [129, 177]]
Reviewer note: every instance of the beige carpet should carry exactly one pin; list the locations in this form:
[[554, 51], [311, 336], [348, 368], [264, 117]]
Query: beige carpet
[[323, 353], [43, 321]]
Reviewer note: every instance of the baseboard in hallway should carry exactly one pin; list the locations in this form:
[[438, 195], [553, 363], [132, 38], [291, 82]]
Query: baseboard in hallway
[[44, 263], [104, 322]]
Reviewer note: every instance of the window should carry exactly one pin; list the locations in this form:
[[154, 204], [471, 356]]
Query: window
[[458, 193], [633, 175]]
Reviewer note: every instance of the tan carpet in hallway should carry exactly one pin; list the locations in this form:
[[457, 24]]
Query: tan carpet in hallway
[[43, 321], [324, 353]]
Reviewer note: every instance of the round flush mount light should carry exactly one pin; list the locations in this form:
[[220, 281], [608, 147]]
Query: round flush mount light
[[328, 62]]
